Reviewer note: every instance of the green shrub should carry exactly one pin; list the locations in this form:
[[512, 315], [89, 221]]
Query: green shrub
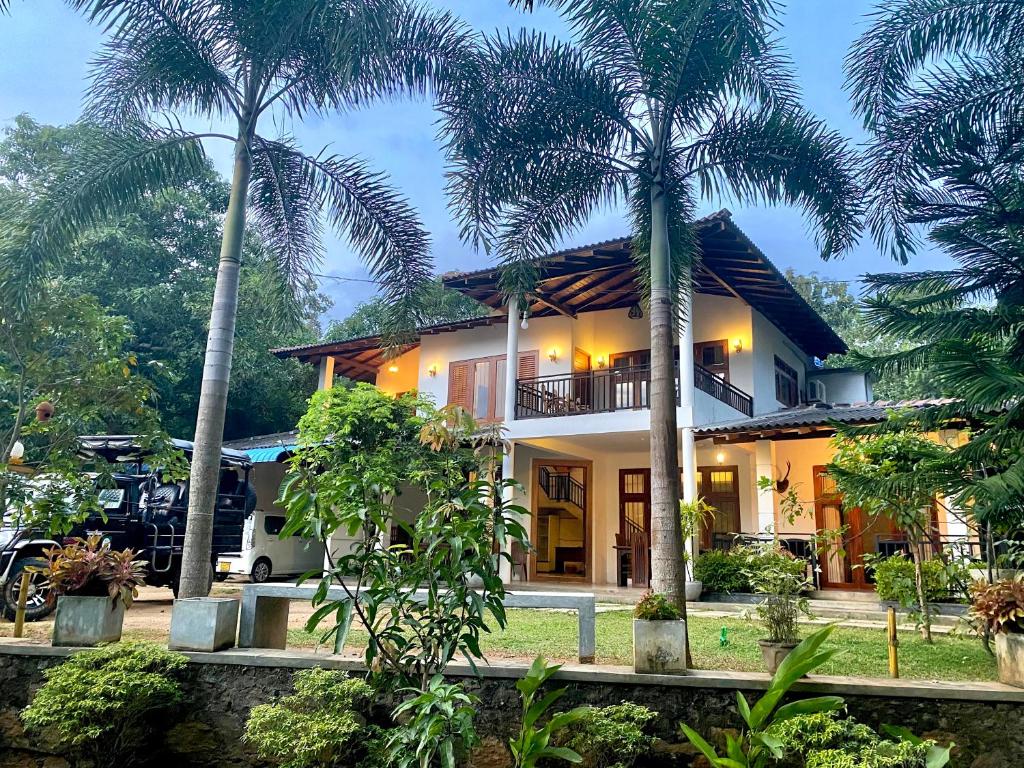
[[322, 725], [104, 705], [722, 571], [894, 579], [654, 606], [824, 740], [610, 737]]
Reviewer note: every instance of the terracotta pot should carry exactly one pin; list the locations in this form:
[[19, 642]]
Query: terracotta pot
[[1010, 658], [774, 653]]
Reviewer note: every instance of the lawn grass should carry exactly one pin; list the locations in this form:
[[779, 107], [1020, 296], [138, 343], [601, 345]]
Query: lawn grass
[[863, 652]]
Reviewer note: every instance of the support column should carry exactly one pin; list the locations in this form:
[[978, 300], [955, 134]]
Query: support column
[[764, 466], [688, 460], [511, 374], [326, 380]]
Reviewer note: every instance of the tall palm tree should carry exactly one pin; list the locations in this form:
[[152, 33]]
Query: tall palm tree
[[656, 103], [237, 62]]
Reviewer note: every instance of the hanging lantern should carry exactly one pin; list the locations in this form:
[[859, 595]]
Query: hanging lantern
[[44, 411], [636, 311], [17, 452]]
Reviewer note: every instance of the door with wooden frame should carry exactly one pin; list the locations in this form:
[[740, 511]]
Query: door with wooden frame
[[713, 355], [582, 383], [631, 377], [719, 486], [478, 384], [634, 501]]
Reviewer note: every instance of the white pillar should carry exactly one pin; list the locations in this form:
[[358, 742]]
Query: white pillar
[[764, 466], [326, 373], [511, 374], [688, 461]]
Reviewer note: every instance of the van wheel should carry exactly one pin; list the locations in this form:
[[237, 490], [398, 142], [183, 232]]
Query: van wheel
[[41, 600], [260, 571]]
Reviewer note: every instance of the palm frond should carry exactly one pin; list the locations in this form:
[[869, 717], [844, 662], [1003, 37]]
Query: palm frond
[[906, 35], [782, 156]]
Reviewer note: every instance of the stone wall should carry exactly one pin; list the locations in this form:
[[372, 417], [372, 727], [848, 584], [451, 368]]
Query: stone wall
[[985, 720]]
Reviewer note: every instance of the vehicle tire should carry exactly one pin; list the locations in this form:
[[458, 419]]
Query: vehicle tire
[[41, 601], [221, 577], [260, 571]]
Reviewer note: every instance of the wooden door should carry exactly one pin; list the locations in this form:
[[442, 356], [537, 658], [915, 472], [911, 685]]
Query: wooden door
[[634, 501], [720, 487], [582, 383], [714, 356], [632, 375]]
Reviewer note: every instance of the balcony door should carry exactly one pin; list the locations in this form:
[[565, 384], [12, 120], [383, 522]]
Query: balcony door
[[720, 487], [478, 385], [631, 377]]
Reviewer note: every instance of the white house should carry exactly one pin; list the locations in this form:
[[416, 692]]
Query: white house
[[753, 402]]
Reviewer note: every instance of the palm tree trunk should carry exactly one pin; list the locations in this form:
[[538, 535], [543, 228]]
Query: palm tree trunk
[[667, 569], [205, 477], [922, 599]]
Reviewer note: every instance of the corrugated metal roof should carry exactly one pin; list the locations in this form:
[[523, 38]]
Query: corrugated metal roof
[[819, 415]]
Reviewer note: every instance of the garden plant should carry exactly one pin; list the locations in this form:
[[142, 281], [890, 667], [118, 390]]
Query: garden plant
[[534, 744]]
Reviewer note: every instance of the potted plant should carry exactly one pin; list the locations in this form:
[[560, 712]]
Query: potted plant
[[782, 579], [94, 585], [1000, 607], [659, 636], [692, 517]]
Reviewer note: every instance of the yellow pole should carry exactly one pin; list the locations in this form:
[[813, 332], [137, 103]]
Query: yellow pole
[[894, 644], [19, 615]]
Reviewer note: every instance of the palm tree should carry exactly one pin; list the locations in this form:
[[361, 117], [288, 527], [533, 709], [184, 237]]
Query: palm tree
[[237, 62], [657, 102]]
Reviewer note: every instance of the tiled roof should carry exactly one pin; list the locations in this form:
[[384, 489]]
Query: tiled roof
[[275, 440], [820, 414]]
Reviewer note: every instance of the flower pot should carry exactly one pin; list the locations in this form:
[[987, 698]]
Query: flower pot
[[659, 647], [87, 621], [204, 624], [1010, 658], [693, 590], [774, 653]]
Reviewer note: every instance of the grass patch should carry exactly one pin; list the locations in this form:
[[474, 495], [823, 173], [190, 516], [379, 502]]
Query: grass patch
[[863, 652]]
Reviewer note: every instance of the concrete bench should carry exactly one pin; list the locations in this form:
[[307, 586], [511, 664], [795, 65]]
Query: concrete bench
[[264, 615]]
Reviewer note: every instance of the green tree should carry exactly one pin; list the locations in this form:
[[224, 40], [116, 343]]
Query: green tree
[[152, 267], [656, 104], [240, 63], [437, 305], [940, 87], [847, 314]]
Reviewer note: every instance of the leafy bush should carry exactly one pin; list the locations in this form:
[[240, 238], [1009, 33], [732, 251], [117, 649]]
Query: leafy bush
[[610, 737], [654, 606], [534, 744], [437, 726], [824, 740], [999, 606], [90, 567], [322, 725], [721, 571], [781, 578], [895, 581], [104, 704]]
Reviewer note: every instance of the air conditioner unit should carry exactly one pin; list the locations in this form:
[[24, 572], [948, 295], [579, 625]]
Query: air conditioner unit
[[815, 391]]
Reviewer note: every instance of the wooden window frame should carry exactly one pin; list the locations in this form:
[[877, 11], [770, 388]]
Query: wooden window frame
[[471, 364], [721, 370], [784, 372]]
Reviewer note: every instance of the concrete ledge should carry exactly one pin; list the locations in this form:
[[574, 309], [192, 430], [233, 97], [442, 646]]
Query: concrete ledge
[[610, 675]]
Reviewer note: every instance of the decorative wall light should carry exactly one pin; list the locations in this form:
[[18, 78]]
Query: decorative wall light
[[720, 457], [601, 362], [635, 311], [526, 320], [553, 355], [392, 368], [432, 370], [737, 345]]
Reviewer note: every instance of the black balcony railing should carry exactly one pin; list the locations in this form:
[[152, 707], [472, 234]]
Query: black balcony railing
[[611, 389]]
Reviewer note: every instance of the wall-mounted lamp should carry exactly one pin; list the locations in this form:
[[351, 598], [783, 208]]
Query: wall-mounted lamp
[[392, 368], [737, 345], [553, 355], [526, 320], [601, 362], [720, 457], [432, 370]]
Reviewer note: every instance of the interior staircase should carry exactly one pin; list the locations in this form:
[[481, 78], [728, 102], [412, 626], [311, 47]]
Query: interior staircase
[[560, 485]]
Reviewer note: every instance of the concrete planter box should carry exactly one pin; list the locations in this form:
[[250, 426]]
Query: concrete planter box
[[204, 624], [693, 590], [774, 653], [1010, 658], [659, 647], [87, 621]]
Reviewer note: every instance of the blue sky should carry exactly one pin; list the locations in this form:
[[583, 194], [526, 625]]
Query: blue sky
[[45, 65]]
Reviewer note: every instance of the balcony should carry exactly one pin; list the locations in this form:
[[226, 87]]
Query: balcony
[[611, 389]]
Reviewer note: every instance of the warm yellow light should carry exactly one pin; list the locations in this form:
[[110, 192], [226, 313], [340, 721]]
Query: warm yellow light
[[553, 355], [432, 370], [600, 361], [737, 345], [392, 368], [720, 457]]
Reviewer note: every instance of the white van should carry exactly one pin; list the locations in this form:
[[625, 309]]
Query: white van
[[265, 554]]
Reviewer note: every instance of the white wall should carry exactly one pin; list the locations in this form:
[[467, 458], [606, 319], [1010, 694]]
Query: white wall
[[768, 341], [843, 386]]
